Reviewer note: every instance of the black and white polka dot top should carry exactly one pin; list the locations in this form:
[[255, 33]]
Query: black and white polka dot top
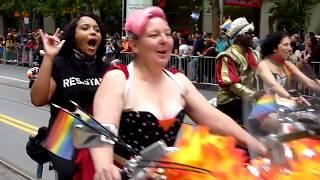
[[140, 129]]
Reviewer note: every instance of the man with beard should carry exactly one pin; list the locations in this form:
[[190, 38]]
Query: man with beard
[[235, 67]]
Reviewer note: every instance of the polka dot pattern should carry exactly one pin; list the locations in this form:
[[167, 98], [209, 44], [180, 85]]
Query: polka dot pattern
[[139, 129]]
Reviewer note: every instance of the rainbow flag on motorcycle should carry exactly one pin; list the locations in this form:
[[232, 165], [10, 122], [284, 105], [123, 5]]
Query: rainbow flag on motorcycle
[[60, 139], [265, 105]]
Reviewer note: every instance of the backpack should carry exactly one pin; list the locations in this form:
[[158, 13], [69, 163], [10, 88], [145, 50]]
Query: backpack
[[35, 149]]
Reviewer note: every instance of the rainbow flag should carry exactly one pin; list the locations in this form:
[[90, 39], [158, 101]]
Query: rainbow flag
[[227, 24], [60, 140], [264, 106]]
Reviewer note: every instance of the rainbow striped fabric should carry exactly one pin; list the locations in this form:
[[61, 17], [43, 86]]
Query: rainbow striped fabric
[[59, 140], [264, 106]]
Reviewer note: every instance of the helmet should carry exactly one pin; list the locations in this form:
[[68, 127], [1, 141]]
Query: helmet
[[32, 72]]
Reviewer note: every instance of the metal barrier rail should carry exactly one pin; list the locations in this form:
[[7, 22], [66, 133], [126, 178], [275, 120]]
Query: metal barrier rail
[[201, 69], [198, 69]]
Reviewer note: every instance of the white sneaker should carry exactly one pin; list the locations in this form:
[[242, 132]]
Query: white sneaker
[[213, 102]]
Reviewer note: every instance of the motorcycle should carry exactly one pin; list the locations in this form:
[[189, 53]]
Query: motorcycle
[[294, 150], [292, 138]]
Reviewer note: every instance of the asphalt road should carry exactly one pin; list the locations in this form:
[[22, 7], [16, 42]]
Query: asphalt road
[[15, 107]]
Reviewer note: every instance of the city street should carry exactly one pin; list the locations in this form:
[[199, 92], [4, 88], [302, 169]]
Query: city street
[[19, 119]]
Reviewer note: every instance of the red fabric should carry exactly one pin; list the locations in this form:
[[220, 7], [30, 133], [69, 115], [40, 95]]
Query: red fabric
[[85, 166], [173, 70], [121, 67], [244, 3], [124, 69], [277, 59], [232, 73], [166, 123], [251, 60]]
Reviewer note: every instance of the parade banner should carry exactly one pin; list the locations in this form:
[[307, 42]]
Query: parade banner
[[245, 3], [133, 5]]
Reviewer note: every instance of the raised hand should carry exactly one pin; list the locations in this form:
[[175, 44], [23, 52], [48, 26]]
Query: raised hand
[[52, 44]]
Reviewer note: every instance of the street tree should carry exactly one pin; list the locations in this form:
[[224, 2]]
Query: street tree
[[291, 15], [216, 13], [61, 10]]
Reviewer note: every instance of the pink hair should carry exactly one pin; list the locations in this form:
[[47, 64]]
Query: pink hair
[[136, 22]]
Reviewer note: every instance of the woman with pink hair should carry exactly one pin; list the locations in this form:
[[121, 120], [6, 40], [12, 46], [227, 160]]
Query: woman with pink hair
[[147, 102]]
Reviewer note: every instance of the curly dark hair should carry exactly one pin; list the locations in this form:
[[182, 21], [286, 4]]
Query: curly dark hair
[[271, 42], [69, 36]]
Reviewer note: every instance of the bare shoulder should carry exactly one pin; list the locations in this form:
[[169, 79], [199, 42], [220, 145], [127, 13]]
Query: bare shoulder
[[182, 78], [262, 65], [263, 62], [114, 77]]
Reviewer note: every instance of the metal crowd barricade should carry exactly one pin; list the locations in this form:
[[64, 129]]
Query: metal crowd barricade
[[201, 68], [313, 73], [206, 70]]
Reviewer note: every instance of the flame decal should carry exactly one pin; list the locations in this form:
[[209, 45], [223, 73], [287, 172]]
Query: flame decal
[[201, 149], [219, 155]]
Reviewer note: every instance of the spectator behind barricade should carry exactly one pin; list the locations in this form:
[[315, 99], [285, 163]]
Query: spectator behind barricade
[[2, 43], [175, 43], [223, 41], [109, 46], [296, 43], [109, 52], [38, 49], [310, 44], [125, 44], [297, 47], [30, 48], [208, 68], [183, 48], [9, 45], [210, 48], [305, 59], [116, 42], [197, 50]]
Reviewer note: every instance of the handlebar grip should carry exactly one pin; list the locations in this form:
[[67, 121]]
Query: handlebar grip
[[124, 175]]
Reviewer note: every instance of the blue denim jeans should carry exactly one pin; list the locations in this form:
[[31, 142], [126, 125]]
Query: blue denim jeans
[[193, 68]]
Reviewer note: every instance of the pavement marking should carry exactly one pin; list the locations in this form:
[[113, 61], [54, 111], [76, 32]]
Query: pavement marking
[[15, 79], [19, 124]]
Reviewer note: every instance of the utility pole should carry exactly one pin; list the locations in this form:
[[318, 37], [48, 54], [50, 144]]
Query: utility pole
[[122, 18]]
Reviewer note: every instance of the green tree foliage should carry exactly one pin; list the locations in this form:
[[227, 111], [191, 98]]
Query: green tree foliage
[[61, 10], [291, 15]]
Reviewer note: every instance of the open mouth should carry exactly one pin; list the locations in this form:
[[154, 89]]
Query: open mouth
[[162, 52], [92, 43]]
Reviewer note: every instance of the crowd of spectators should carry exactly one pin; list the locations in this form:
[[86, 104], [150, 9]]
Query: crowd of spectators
[[20, 48], [24, 48]]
